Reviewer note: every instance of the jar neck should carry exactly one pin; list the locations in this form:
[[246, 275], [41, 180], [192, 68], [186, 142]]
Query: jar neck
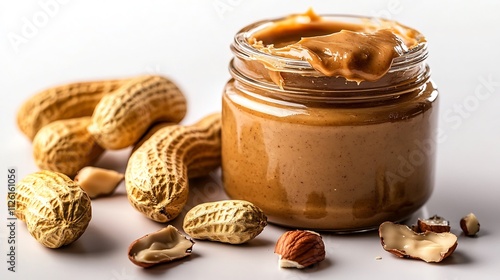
[[296, 79], [330, 89]]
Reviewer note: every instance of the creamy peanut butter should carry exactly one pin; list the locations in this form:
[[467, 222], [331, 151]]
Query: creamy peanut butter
[[357, 52], [328, 122]]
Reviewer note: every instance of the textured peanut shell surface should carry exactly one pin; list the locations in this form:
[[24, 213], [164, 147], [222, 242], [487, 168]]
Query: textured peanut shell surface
[[228, 221], [65, 146], [56, 210], [62, 102], [156, 177], [121, 118], [150, 132]]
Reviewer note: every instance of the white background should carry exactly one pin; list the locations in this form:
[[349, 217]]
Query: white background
[[188, 41]]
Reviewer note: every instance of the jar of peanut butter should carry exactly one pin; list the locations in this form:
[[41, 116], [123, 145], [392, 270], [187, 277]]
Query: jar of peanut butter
[[329, 121]]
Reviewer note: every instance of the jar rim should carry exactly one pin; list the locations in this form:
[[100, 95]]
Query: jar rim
[[243, 50]]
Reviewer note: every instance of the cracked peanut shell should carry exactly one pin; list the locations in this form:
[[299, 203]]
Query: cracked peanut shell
[[429, 246], [162, 246]]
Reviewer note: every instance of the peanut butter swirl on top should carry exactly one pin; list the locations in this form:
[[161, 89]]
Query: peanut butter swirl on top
[[357, 52]]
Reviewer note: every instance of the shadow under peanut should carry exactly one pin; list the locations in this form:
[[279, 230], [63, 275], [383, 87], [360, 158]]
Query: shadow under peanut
[[93, 241], [162, 269]]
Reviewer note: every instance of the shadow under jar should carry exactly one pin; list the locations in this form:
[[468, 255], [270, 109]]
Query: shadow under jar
[[340, 152]]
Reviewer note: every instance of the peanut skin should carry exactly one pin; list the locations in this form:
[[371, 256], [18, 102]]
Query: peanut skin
[[121, 118], [62, 102], [65, 146], [156, 177], [56, 210]]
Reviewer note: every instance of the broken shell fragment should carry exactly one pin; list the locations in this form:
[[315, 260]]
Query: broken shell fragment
[[469, 224], [434, 223], [429, 246], [98, 181], [165, 245]]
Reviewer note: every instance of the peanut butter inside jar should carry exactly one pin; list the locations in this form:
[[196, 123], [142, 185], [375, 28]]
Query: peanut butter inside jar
[[329, 121]]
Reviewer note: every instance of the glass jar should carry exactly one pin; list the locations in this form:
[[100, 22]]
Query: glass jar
[[324, 153]]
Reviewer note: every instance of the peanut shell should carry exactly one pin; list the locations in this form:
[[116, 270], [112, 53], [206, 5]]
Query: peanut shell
[[56, 210], [121, 118], [65, 146], [227, 221], [66, 101], [156, 177]]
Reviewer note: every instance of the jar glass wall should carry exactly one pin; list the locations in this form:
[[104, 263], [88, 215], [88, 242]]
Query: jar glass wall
[[321, 152]]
